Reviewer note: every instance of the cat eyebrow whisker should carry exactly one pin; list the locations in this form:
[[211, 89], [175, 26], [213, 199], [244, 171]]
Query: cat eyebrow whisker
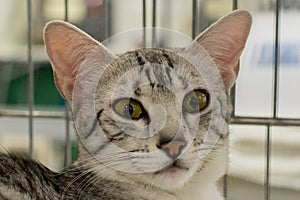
[[209, 143], [117, 134]]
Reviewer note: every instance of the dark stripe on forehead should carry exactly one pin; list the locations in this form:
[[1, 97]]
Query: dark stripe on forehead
[[116, 134], [152, 85], [170, 63], [168, 72], [139, 58], [137, 91], [148, 75]]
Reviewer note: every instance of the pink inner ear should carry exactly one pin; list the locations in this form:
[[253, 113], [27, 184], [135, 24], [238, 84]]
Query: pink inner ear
[[225, 40], [64, 85], [229, 76], [67, 47]]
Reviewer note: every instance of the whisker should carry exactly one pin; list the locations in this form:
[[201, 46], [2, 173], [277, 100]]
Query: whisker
[[73, 181]]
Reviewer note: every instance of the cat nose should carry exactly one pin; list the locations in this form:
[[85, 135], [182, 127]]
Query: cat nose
[[173, 148]]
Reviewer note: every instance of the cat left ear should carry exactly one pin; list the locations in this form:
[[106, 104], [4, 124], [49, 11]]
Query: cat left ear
[[67, 47], [224, 41]]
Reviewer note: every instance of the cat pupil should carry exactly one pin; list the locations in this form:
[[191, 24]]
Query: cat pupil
[[194, 103], [128, 110]]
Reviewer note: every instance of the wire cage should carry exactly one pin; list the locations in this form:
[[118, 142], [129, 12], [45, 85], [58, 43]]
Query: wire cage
[[266, 118]]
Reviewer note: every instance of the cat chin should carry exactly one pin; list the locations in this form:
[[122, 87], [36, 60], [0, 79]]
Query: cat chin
[[170, 178]]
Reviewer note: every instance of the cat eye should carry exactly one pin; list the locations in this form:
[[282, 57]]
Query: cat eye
[[195, 101], [128, 108]]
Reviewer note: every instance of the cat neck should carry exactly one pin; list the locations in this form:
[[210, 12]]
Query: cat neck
[[203, 185], [207, 183], [137, 189]]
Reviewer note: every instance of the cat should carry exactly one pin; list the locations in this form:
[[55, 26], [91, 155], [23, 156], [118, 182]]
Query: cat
[[151, 123]]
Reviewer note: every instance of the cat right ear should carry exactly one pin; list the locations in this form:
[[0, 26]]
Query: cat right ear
[[224, 41], [67, 47]]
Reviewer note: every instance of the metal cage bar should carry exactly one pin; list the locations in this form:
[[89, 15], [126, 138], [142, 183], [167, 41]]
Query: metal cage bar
[[68, 148], [233, 90], [68, 145], [195, 21], [66, 10], [267, 186], [106, 18], [31, 76], [225, 182], [154, 23], [35, 114], [276, 59], [144, 23]]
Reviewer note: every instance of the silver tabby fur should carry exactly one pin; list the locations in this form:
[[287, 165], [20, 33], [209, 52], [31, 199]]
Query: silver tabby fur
[[121, 159]]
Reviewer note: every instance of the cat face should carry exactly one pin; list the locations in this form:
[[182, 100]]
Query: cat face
[[155, 114], [160, 110]]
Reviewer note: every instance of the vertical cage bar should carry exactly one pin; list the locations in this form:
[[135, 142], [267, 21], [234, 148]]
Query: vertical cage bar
[[268, 166], [195, 16], [30, 76], [276, 59], [234, 4], [154, 5], [233, 89], [66, 10], [68, 150], [106, 18], [233, 100], [144, 23]]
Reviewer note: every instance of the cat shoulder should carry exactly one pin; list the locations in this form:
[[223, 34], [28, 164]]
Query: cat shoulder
[[23, 178]]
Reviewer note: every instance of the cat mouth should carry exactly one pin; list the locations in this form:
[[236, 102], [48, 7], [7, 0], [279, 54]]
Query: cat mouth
[[173, 168]]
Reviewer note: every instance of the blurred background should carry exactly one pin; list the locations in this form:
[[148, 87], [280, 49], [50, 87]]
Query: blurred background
[[265, 134]]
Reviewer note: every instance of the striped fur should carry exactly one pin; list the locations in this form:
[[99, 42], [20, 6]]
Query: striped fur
[[129, 158]]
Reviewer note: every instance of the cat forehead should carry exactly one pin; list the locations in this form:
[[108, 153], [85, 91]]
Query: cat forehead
[[147, 56], [156, 66]]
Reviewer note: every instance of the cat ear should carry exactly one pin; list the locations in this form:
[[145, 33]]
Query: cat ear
[[67, 48], [224, 41]]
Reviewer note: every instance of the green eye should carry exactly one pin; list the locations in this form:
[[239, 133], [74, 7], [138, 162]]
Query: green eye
[[128, 108], [195, 101]]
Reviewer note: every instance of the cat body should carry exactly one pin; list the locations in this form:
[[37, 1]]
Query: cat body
[[29, 180], [26, 179], [151, 123]]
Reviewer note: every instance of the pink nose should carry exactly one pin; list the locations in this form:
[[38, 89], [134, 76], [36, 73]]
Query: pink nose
[[173, 148]]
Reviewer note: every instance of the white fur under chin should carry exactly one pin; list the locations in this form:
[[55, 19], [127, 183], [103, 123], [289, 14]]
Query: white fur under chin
[[203, 185]]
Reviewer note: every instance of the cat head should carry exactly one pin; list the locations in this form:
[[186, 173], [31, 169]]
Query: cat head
[[155, 113]]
